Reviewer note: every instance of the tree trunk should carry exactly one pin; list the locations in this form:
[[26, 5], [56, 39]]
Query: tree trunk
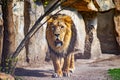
[[1, 33], [9, 34], [26, 25]]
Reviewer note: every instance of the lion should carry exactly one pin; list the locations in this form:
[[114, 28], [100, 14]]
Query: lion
[[61, 37]]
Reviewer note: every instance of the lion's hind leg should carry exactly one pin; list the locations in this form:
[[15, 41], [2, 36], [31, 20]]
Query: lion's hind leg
[[72, 61]]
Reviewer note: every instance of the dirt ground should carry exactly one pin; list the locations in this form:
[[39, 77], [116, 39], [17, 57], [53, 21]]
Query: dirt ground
[[85, 70]]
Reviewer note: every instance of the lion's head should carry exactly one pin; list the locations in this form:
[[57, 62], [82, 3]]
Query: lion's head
[[59, 32]]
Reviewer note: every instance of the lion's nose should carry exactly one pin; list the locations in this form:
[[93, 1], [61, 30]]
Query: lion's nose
[[57, 35]]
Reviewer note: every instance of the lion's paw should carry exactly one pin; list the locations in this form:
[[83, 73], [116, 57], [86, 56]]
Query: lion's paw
[[56, 75], [72, 70], [66, 74]]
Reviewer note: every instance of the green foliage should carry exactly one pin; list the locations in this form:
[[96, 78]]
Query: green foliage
[[18, 78], [46, 2], [8, 64], [114, 73]]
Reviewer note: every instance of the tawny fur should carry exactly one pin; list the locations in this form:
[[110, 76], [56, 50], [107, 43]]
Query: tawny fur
[[63, 59]]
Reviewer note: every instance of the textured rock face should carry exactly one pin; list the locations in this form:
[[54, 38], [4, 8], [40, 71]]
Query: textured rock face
[[24, 19], [117, 25], [90, 5], [105, 5], [81, 5], [95, 43], [117, 4], [4, 76], [92, 43], [37, 45], [107, 33], [19, 27]]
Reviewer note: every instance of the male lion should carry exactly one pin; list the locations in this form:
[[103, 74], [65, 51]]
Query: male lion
[[61, 37]]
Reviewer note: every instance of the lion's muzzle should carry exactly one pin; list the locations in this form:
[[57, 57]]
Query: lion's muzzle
[[58, 43]]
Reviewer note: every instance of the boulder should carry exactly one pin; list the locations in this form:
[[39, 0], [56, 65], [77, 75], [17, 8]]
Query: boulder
[[25, 15], [105, 5], [92, 43], [4, 76], [117, 4], [90, 5], [107, 32], [37, 45], [117, 26], [18, 18], [81, 5]]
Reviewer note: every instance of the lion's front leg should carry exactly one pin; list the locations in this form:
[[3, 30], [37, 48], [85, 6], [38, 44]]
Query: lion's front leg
[[57, 63], [66, 66]]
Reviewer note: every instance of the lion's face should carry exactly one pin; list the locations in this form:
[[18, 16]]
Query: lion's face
[[59, 32]]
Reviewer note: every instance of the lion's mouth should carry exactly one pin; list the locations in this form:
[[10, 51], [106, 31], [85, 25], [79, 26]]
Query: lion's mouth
[[58, 43]]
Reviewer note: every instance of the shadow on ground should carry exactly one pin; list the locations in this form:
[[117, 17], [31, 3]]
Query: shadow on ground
[[33, 73]]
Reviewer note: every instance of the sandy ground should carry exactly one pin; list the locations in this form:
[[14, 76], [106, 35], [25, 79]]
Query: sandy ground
[[85, 70]]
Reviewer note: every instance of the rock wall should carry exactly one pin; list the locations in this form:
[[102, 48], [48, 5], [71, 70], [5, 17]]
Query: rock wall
[[92, 44], [107, 33], [18, 16], [117, 20], [37, 46], [25, 15]]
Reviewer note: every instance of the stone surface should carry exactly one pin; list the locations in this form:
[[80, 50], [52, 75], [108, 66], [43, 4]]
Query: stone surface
[[37, 44], [105, 5], [90, 5], [18, 16], [106, 32], [95, 44], [117, 26], [117, 4], [81, 5], [92, 43], [4, 76]]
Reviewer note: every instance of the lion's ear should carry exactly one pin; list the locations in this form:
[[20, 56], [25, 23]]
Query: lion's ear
[[67, 19], [48, 18]]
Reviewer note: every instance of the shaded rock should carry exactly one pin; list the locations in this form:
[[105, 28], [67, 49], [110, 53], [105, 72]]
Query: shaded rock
[[92, 43], [117, 25], [37, 45], [25, 15], [107, 33], [90, 5], [18, 16], [117, 4], [81, 5], [105, 5], [4, 76]]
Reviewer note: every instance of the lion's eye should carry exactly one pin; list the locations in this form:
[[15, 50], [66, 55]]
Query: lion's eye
[[62, 26]]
